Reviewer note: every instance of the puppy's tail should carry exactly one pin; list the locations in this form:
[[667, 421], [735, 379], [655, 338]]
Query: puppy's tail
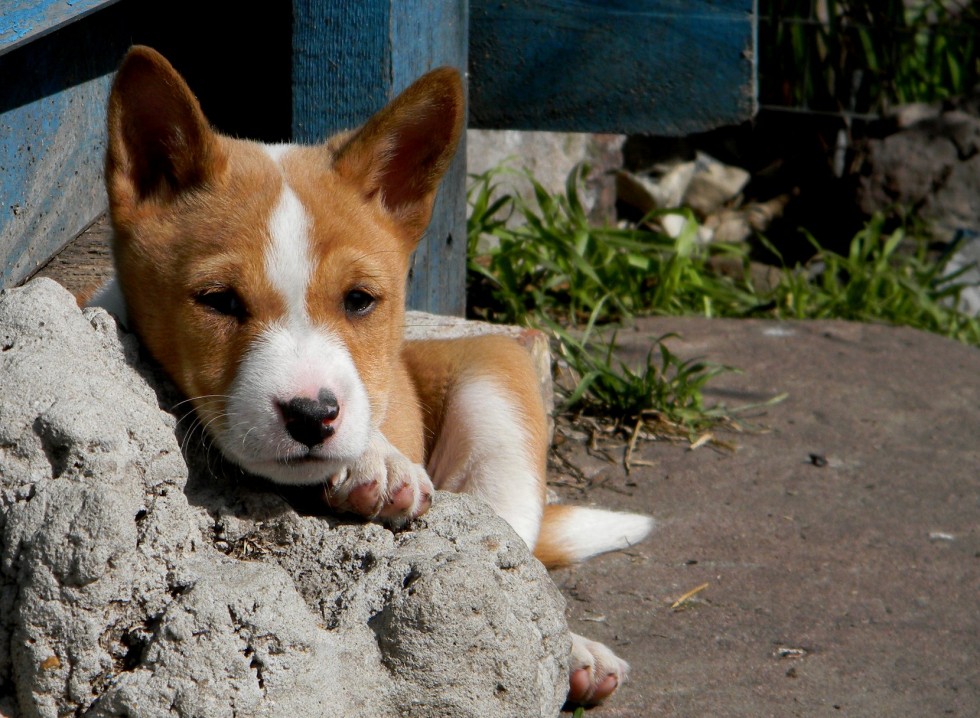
[[570, 534]]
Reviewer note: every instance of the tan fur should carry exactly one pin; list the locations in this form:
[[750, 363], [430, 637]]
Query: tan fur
[[437, 367], [550, 550]]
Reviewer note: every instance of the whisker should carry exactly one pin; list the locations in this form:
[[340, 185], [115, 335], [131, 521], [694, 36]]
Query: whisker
[[199, 398]]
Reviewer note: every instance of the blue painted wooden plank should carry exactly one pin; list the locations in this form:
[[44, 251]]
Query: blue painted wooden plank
[[52, 126], [542, 65], [22, 21], [341, 65], [350, 58], [669, 67]]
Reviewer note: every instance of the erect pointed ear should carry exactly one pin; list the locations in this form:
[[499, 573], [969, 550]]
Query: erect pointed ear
[[160, 143], [402, 152]]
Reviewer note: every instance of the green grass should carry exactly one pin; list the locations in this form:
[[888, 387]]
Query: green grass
[[555, 263], [554, 270], [603, 384], [885, 277]]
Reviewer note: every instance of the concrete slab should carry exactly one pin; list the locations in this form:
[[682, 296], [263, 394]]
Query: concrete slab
[[841, 549]]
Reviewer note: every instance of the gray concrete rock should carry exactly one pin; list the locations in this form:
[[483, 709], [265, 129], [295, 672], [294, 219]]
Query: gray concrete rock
[[550, 157], [133, 585], [965, 264], [931, 164]]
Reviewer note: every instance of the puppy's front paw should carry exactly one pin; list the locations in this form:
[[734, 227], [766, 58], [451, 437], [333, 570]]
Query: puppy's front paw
[[595, 672], [381, 485]]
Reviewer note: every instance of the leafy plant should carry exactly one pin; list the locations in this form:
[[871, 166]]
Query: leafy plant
[[663, 383], [884, 277], [555, 268], [556, 263], [555, 271]]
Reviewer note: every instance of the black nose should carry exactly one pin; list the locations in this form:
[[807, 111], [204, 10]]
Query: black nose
[[310, 421]]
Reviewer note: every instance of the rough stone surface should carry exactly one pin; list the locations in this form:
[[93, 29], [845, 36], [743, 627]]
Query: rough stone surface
[[965, 263], [932, 166], [132, 585]]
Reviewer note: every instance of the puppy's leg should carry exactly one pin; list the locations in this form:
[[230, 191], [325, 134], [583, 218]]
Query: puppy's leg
[[485, 424], [488, 437], [594, 671]]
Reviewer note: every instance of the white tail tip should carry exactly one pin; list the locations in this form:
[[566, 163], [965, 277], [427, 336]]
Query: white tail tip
[[574, 533]]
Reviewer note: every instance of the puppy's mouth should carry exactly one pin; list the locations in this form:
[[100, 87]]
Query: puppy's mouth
[[301, 460], [298, 470]]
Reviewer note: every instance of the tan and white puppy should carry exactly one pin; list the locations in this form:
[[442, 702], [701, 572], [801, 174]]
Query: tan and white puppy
[[269, 282]]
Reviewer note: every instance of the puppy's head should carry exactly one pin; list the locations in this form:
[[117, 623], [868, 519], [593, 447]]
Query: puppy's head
[[269, 281]]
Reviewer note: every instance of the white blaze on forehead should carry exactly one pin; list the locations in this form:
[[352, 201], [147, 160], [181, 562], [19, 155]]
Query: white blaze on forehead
[[292, 357], [276, 152], [288, 261]]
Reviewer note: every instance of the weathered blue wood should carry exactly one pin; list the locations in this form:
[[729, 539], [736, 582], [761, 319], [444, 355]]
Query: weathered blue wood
[[22, 21], [669, 67], [353, 56], [425, 35], [341, 65], [52, 118]]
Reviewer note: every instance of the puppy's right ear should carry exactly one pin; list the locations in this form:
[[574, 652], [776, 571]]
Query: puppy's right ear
[[160, 143]]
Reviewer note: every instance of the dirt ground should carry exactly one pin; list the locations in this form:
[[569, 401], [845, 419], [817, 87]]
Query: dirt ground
[[836, 551]]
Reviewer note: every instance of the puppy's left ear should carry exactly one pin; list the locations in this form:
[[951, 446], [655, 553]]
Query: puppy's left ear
[[402, 152]]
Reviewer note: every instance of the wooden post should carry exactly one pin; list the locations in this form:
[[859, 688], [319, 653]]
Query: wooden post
[[350, 57]]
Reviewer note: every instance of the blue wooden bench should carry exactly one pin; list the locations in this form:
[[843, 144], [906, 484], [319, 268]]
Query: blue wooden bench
[[304, 69]]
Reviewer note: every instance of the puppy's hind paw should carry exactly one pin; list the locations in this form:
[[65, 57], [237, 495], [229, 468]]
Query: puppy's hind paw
[[595, 672]]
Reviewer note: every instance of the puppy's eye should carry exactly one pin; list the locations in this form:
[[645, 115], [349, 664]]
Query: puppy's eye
[[223, 301], [357, 302]]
